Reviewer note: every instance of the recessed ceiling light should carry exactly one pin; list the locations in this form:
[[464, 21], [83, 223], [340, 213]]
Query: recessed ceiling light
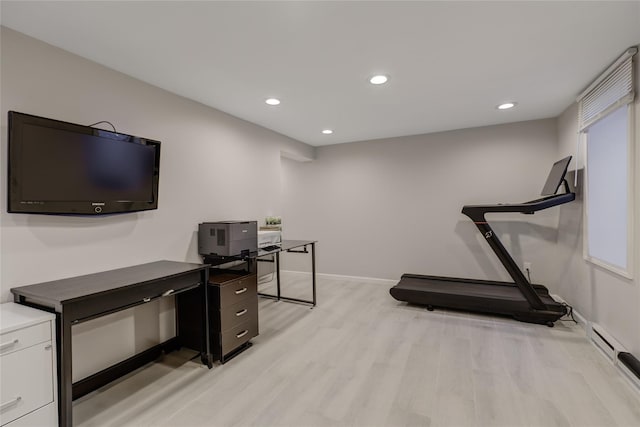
[[506, 105], [327, 131], [378, 79], [273, 101]]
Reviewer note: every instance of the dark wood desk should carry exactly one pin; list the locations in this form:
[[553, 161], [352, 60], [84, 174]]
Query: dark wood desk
[[78, 299]]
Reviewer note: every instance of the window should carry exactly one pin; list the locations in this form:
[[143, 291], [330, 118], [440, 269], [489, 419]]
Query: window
[[608, 196], [606, 119]]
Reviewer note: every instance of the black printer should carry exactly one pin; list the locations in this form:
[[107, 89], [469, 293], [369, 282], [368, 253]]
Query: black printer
[[227, 238]]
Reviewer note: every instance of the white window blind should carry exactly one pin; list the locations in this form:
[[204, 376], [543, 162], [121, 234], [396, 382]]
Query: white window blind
[[605, 120], [613, 89]]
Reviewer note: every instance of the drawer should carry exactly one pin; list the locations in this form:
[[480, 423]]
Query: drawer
[[236, 290], [26, 337], [241, 312], [130, 296], [45, 416], [26, 381], [239, 335]]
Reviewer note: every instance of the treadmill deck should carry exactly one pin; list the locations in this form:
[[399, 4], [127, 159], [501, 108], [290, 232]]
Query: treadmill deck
[[483, 296]]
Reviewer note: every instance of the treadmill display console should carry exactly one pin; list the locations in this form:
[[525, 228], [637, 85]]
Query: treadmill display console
[[556, 175]]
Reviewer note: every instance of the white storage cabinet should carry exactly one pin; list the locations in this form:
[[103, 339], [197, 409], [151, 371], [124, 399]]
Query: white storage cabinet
[[28, 384]]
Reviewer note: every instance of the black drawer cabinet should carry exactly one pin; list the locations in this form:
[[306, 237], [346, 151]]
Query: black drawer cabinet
[[233, 313]]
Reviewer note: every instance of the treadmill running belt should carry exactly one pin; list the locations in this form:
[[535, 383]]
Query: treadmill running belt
[[482, 296]]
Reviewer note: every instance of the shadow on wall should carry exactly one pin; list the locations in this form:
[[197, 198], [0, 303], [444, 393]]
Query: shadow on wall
[[60, 230], [571, 224], [192, 253], [570, 240], [571, 179], [510, 233], [567, 236]]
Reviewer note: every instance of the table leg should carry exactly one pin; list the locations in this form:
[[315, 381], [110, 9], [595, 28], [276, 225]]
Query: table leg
[[65, 384], [206, 345], [313, 271], [278, 274]]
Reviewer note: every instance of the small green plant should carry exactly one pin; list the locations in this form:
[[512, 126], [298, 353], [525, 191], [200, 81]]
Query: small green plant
[[273, 220]]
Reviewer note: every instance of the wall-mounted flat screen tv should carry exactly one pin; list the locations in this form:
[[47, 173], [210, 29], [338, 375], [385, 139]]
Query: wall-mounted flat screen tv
[[57, 167]]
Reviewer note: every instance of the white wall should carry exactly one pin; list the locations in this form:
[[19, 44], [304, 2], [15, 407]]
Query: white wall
[[213, 167], [386, 207], [599, 295]]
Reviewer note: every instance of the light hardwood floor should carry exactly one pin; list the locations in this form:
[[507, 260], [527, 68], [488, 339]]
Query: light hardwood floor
[[361, 358]]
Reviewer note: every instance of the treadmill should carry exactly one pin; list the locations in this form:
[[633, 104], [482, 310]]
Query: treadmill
[[518, 299]]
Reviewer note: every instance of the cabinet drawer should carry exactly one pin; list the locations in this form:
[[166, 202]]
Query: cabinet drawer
[[239, 335], [46, 416], [241, 312], [235, 291], [102, 303], [25, 381], [26, 337]]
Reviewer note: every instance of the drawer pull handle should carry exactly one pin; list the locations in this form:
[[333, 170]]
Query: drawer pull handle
[[146, 299], [10, 403], [241, 291], [241, 334], [241, 312], [8, 344], [167, 293]]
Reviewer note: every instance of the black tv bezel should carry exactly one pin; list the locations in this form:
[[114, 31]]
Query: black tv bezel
[[15, 204]]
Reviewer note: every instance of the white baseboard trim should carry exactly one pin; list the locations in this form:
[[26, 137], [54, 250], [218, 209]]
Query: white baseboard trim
[[606, 345], [582, 321], [343, 277], [299, 273]]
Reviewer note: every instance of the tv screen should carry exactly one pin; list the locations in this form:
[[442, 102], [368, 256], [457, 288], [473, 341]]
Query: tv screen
[[57, 167]]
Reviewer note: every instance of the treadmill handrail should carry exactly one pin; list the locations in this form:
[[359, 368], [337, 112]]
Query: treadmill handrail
[[477, 212]]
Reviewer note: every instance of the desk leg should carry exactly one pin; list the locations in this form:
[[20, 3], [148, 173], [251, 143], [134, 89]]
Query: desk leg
[[205, 354], [278, 274], [65, 384], [313, 271]]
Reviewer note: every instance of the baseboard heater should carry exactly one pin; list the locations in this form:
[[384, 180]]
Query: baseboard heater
[[607, 345], [630, 366]]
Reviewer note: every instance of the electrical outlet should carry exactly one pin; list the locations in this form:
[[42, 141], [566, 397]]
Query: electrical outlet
[[527, 266]]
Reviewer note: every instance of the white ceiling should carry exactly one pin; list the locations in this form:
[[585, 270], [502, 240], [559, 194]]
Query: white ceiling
[[450, 63]]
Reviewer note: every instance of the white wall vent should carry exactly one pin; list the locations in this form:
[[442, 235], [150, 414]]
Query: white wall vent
[[630, 367], [605, 343], [626, 363]]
